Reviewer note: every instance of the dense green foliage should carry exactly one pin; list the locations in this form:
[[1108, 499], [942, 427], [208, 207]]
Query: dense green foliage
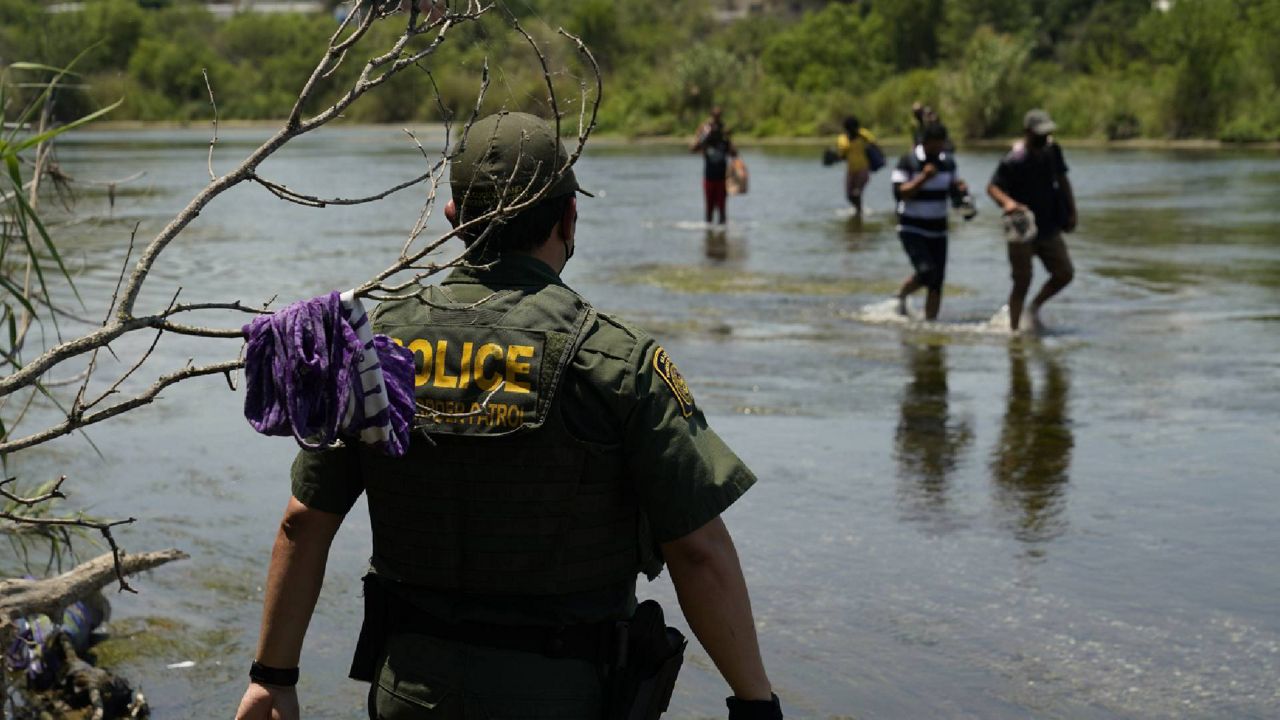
[[1104, 68]]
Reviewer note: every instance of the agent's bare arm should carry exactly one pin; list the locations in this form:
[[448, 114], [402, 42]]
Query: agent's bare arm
[[713, 595], [293, 584], [293, 581]]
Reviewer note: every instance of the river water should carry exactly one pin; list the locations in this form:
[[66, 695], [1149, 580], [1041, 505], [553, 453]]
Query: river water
[[950, 521]]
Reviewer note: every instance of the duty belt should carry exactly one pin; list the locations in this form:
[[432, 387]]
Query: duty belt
[[385, 614], [591, 642]]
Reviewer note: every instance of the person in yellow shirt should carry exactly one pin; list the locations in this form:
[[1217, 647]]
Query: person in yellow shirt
[[852, 147]]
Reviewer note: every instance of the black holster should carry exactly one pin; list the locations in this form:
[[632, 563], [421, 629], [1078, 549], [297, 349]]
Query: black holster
[[648, 659], [373, 631]]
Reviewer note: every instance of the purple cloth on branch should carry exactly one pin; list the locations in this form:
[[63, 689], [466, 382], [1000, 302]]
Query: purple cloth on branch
[[303, 376]]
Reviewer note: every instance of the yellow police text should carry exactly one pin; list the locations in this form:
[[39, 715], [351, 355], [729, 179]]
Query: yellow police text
[[485, 366]]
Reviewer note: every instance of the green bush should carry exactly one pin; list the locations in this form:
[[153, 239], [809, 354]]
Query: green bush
[[1104, 40], [1199, 41], [111, 29], [1105, 68], [912, 29], [173, 68], [988, 92], [1256, 119], [1263, 30], [1248, 129], [702, 76], [886, 110], [837, 46], [597, 23], [1082, 105], [963, 19]]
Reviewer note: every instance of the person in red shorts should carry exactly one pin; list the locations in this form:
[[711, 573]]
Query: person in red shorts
[[714, 143]]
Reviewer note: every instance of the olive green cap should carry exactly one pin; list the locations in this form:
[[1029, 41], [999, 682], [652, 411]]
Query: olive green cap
[[510, 157]]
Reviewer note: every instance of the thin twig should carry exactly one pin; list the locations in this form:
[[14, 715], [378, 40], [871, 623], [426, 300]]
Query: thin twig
[[112, 183], [125, 320], [481, 409], [115, 386], [284, 193], [73, 424], [54, 493], [214, 140]]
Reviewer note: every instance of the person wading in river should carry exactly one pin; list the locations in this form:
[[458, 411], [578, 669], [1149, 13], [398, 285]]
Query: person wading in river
[[1032, 178], [560, 455], [717, 148], [923, 183], [852, 146]]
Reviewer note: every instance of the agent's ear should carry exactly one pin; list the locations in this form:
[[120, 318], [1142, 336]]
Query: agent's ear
[[569, 220], [451, 213]]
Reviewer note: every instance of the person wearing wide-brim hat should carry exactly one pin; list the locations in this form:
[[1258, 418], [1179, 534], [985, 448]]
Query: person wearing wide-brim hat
[[559, 455], [1032, 180]]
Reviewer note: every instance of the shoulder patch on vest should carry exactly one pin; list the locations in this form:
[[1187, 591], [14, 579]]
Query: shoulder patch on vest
[[670, 374]]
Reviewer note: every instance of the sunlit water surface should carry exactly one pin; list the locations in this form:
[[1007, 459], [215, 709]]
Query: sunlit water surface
[[950, 522]]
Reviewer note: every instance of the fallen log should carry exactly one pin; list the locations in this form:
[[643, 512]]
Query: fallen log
[[20, 598]]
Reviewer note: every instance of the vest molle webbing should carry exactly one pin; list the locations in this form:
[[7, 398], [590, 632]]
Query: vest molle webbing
[[500, 498]]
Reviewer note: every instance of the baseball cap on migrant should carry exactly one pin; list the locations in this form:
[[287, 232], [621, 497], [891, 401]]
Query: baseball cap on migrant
[[1038, 122], [508, 158]]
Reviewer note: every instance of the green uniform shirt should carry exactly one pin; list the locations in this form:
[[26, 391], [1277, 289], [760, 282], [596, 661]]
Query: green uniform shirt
[[621, 389]]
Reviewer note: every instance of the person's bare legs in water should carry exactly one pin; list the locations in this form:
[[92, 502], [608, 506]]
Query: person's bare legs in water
[[1018, 296], [932, 298], [715, 195], [855, 199], [1057, 261]]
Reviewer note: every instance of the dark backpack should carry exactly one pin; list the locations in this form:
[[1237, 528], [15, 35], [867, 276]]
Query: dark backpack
[[875, 157]]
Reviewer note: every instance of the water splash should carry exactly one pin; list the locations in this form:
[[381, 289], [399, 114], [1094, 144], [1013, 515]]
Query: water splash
[[887, 312], [699, 226]]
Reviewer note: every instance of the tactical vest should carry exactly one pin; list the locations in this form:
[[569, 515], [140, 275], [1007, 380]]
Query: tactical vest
[[498, 497]]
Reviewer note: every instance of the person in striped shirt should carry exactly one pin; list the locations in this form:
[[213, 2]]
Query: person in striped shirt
[[923, 183]]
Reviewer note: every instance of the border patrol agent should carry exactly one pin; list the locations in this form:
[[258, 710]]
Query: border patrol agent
[[561, 455]]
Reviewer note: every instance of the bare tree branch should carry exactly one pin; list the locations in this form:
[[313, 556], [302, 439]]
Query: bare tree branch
[[419, 39], [284, 193], [76, 422], [19, 598], [54, 493], [214, 140]]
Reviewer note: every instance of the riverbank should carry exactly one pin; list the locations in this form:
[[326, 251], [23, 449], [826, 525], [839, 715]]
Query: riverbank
[[1119, 70], [622, 140], [975, 143]]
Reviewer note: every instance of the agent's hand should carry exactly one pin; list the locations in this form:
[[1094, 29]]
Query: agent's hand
[[267, 702]]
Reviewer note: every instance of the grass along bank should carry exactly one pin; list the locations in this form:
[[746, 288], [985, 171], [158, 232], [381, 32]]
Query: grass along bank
[[1106, 69]]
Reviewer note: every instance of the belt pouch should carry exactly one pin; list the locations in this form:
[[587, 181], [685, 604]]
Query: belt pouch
[[649, 665]]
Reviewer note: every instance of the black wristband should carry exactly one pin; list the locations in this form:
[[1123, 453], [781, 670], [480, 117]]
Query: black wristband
[[754, 709], [267, 675]]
